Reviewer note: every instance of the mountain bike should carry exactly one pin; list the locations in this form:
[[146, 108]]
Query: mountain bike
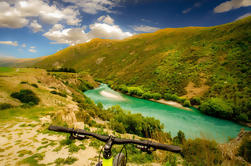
[[120, 159]]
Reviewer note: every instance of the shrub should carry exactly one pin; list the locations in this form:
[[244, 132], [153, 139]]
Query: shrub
[[58, 93], [245, 149], [199, 152], [172, 97], [156, 96], [180, 138], [4, 106], [171, 160], [83, 116], [147, 95], [133, 123], [187, 103], [181, 100], [100, 105], [63, 69], [123, 88], [135, 91], [23, 82], [243, 117], [216, 107], [26, 96], [117, 126], [195, 101], [34, 85], [84, 86]]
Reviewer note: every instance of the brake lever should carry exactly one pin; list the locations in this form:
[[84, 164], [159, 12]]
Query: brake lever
[[146, 149], [78, 137]]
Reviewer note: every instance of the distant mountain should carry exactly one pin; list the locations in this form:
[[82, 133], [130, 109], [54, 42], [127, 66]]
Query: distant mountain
[[192, 61], [16, 62]]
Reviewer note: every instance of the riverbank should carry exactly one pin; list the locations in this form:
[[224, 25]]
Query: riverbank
[[171, 103], [179, 105]]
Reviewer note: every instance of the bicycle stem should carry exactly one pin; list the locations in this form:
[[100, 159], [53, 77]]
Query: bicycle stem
[[108, 148]]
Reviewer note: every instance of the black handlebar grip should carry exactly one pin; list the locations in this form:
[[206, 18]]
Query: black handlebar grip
[[60, 129], [171, 148]]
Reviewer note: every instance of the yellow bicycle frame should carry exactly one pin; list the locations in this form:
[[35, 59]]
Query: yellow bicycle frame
[[108, 162]]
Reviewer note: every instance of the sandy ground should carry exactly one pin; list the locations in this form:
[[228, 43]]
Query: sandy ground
[[171, 103], [111, 95], [25, 135]]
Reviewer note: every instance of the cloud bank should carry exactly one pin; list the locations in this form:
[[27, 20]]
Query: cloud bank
[[17, 14], [230, 5], [74, 36]]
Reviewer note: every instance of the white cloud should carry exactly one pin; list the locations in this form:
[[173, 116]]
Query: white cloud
[[52, 15], [186, 10], [35, 26], [23, 45], [32, 49], [66, 36], [230, 5], [9, 43], [243, 16], [144, 28], [74, 36], [10, 17], [196, 5], [94, 6], [105, 31], [16, 14], [106, 19]]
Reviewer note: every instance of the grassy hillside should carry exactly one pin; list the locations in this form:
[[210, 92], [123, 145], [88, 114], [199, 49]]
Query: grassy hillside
[[205, 62]]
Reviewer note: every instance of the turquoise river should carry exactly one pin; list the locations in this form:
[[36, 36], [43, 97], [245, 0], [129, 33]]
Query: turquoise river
[[192, 123]]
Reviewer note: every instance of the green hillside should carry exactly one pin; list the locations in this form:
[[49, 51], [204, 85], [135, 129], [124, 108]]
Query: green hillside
[[212, 63]]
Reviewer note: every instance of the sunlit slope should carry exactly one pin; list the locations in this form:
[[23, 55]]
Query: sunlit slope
[[191, 61]]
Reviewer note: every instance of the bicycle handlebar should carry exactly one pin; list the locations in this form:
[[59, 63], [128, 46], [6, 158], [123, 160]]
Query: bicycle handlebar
[[172, 148]]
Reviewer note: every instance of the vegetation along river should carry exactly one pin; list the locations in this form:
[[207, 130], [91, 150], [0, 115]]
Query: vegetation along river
[[192, 123]]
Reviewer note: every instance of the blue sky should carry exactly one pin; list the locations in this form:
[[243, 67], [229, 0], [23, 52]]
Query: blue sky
[[34, 28]]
